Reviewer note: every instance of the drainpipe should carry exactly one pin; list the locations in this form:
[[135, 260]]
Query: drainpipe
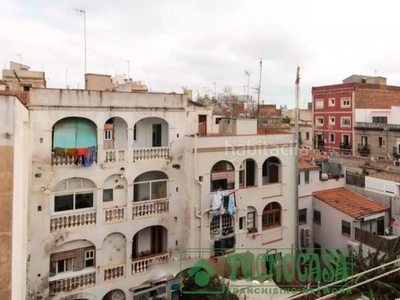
[[196, 177]]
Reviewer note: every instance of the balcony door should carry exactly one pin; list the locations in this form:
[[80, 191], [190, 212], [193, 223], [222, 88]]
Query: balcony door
[[157, 239], [346, 139], [157, 132], [364, 141]]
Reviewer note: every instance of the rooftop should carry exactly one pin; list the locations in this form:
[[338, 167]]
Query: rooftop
[[308, 155], [389, 176], [352, 204], [303, 166]]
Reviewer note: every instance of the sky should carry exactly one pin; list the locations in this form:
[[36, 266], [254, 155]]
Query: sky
[[172, 44]]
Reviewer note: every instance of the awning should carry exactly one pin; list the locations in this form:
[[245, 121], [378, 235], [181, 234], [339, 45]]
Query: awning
[[375, 216]]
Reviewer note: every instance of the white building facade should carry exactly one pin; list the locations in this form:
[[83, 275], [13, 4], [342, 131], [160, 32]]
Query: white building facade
[[120, 184]]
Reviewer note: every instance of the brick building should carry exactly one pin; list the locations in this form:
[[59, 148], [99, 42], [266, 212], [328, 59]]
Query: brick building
[[335, 110]]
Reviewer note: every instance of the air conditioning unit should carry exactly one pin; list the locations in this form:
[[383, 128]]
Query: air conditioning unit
[[324, 177], [307, 241], [353, 245], [306, 231]]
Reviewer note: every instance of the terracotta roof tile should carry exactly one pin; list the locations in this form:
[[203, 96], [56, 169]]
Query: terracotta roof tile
[[350, 203], [303, 165], [389, 176]]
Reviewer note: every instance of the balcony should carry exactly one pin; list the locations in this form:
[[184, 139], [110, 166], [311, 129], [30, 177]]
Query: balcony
[[375, 241], [73, 159], [140, 265], [396, 152], [114, 155], [72, 220], [345, 146], [374, 126], [114, 214], [113, 272], [150, 153], [364, 150], [72, 283], [149, 208]]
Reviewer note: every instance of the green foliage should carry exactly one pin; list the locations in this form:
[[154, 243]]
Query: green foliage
[[216, 284], [384, 288]]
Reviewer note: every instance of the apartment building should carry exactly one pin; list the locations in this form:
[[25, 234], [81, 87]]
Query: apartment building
[[335, 106], [311, 168], [377, 132], [305, 125], [109, 188]]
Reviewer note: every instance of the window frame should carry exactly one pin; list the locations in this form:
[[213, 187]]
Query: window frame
[[379, 118], [307, 176], [330, 104], [318, 123], [319, 101], [301, 215], [220, 224], [317, 217], [253, 216], [73, 193], [332, 141], [330, 120], [342, 101], [65, 261], [108, 135], [271, 212], [381, 142], [150, 182], [307, 136], [343, 119], [90, 258], [344, 226]]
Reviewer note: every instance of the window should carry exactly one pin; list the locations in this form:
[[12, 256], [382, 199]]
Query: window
[[381, 120], [346, 139], [332, 120], [241, 223], [108, 135], [89, 258], [307, 136], [331, 101], [222, 176], [319, 121], [64, 265], [271, 171], [332, 137], [345, 102], [307, 176], [241, 177], [317, 217], [303, 216], [251, 220], [319, 103], [145, 189], [345, 228], [381, 142], [346, 121], [78, 200], [221, 225], [271, 216], [134, 132], [217, 120], [108, 195]]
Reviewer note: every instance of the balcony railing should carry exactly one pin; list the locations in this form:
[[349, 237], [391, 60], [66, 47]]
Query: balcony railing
[[68, 159], [142, 264], [376, 125], [363, 149], [374, 241], [150, 153], [114, 155], [396, 152], [72, 220], [345, 146], [113, 272], [150, 207], [114, 214], [72, 283]]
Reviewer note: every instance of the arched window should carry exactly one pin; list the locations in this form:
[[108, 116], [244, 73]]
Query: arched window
[[271, 171], [221, 225], [222, 176], [271, 216], [74, 194], [151, 185], [248, 173]]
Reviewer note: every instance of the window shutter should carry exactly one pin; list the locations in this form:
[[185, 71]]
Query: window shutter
[[79, 260]]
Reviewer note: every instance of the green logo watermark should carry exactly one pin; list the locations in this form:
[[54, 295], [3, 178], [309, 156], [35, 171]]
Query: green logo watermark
[[247, 267]]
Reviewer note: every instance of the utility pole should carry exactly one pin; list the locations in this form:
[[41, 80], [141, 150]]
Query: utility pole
[[296, 158], [259, 91], [248, 84]]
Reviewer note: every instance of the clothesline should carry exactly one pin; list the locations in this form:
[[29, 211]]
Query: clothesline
[[220, 190]]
